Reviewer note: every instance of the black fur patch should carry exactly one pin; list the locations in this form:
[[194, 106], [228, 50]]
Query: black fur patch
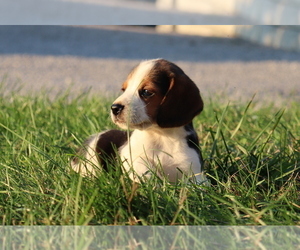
[[108, 144], [193, 140]]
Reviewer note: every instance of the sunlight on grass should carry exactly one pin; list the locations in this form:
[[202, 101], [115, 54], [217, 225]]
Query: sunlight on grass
[[251, 153]]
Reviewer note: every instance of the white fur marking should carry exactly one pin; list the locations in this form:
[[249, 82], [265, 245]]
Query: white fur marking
[[134, 113]]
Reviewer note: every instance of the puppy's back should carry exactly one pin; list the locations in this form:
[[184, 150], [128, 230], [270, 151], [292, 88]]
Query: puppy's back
[[97, 150]]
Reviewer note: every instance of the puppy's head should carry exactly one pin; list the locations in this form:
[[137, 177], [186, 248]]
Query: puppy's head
[[156, 92]]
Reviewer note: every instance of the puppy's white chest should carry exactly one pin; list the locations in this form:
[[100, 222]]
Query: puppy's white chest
[[149, 153]]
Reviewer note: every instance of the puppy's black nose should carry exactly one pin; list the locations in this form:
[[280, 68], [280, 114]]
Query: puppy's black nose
[[116, 108]]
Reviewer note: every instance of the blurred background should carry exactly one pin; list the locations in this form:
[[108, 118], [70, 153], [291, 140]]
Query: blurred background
[[168, 14], [93, 44]]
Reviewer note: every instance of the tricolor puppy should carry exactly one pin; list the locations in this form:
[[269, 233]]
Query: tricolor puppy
[[158, 103]]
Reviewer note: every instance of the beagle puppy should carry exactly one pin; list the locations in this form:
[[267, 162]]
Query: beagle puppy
[[158, 103]]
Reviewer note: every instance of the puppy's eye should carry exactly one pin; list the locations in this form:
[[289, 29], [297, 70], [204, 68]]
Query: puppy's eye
[[145, 93]]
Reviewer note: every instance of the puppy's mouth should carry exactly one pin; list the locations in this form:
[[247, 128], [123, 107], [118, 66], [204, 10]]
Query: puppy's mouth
[[129, 124], [117, 120]]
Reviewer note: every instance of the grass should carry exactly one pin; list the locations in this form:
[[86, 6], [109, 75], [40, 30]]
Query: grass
[[251, 151]]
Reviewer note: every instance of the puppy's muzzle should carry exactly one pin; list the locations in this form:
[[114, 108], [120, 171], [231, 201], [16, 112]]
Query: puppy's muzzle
[[117, 109]]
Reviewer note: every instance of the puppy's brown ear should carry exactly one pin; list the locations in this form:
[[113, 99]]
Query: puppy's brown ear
[[181, 103]]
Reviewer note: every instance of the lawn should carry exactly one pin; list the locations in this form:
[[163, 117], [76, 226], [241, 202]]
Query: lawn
[[251, 152]]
